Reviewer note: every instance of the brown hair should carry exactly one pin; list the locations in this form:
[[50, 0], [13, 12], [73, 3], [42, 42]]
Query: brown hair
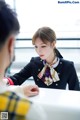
[[46, 34]]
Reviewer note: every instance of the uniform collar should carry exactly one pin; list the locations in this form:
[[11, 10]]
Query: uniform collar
[[54, 65]]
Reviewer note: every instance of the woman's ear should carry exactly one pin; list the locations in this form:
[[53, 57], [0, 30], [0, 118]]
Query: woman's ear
[[53, 44]]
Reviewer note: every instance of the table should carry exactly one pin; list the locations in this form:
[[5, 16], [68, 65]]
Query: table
[[59, 104]]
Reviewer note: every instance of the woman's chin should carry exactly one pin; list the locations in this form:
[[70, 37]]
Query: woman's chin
[[42, 58]]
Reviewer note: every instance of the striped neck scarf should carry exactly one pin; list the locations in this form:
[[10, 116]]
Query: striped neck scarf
[[48, 74]]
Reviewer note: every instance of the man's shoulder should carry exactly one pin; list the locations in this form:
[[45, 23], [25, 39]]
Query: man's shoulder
[[11, 99]]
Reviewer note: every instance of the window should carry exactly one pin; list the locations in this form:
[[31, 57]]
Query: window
[[63, 17]]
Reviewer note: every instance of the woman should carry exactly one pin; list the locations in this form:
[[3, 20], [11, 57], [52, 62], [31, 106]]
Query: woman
[[49, 70]]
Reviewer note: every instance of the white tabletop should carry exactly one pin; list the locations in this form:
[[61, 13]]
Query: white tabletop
[[59, 104]]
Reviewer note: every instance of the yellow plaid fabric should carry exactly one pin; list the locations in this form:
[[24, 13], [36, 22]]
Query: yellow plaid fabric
[[16, 107]]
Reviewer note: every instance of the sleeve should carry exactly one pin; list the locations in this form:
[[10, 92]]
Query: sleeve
[[36, 113], [24, 74], [73, 81]]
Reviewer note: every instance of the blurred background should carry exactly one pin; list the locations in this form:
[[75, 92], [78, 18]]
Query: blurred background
[[63, 18]]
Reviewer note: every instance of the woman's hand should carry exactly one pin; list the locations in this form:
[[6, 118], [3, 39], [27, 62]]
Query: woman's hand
[[30, 90]]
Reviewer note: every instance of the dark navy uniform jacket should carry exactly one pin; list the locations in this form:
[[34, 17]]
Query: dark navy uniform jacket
[[65, 69]]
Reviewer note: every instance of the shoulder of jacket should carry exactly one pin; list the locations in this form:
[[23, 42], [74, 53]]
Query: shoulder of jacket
[[67, 62], [35, 59]]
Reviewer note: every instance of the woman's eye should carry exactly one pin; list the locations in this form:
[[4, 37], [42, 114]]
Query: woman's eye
[[40, 46], [43, 46], [35, 46]]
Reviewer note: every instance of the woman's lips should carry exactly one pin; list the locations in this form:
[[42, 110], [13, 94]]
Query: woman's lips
[[41, 55]]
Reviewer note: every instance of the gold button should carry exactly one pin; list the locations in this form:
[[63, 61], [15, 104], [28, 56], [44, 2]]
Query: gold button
[[58, 73], [38, 69], [56, 84]]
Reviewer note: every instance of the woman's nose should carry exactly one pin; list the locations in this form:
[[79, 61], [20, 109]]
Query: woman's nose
[[39, 50]]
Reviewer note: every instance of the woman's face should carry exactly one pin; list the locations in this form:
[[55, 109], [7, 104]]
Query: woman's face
[[44, 50]]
